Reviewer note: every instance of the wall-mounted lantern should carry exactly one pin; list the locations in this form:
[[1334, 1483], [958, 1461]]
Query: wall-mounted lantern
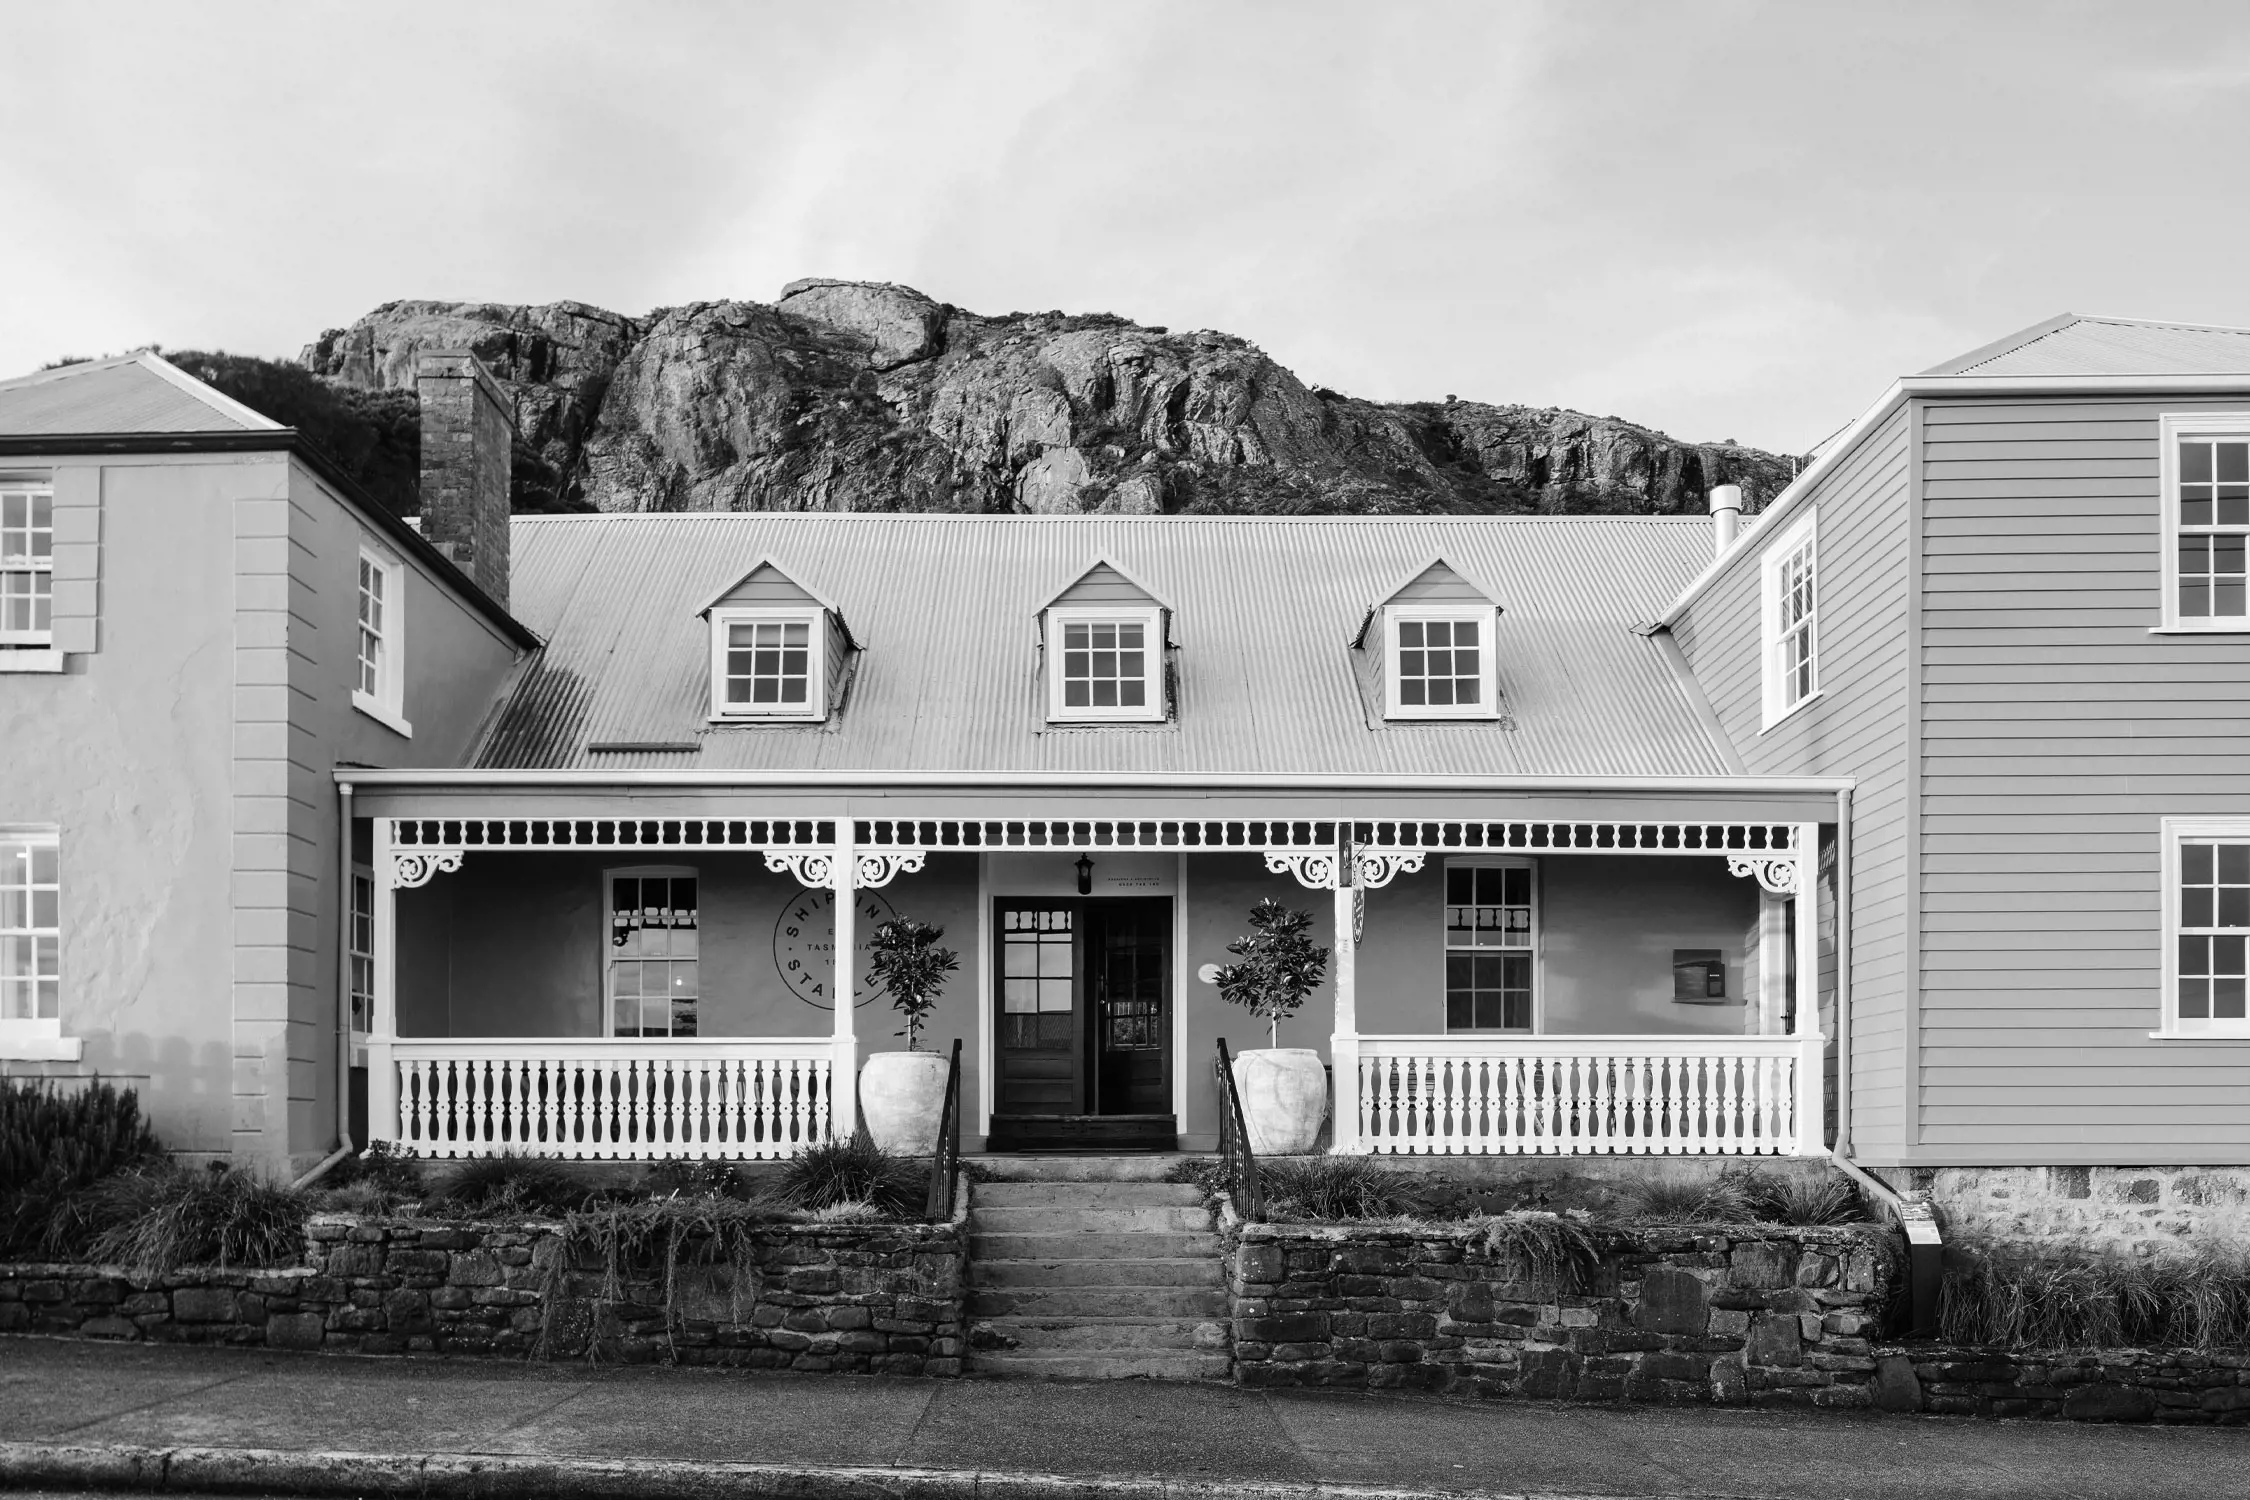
[[1085, 875]]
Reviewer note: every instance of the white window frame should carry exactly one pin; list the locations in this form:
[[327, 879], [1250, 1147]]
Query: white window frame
[[387, 704], [2174, 832], [1803, 535], [1488, 676], [1151, 620], [360, 959], [1537, 950], [610, 877], [31, 642], [40, 1038], [2171, 427], [815, 706]]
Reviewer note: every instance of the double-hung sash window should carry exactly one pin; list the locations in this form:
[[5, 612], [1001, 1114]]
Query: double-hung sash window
[[1790, 604], [27, 563], [768, 664], [379, 683], [30, 934], [1440, 662], [1491, 946], [2207, 912], [362, 953], [651, 981], [2206, 482], [1104, 664]]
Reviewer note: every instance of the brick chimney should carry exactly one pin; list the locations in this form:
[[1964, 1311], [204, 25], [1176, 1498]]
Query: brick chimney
[[468, 426]]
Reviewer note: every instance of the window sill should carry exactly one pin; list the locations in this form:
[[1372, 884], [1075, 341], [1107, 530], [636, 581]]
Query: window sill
[[382, 715], [2230, 628], [31, 661], [1425, 716], [1793, 710], [36, 1048], [2199, 1036], [806, 718]]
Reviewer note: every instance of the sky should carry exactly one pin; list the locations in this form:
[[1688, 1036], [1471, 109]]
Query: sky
[[1724, 220]]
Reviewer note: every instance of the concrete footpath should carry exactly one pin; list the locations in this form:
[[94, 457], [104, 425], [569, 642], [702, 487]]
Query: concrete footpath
[[129, 1418]]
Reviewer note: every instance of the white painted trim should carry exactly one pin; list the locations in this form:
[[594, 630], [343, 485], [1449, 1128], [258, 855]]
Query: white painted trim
[[1081, 780], [164, 370], [2170, 832], [381, 715], [1486, 615], [2171, 427], [1801, 533], [387, 706], [20, 660], [986, 998], [1151, 620], [1538, 946], [38, 1041], [815, 707], [1179, 993]]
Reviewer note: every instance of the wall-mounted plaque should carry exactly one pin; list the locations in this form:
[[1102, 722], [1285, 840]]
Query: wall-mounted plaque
[[804, 946]]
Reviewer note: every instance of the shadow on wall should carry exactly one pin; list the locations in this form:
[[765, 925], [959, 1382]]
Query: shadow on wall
[[186, 1091]]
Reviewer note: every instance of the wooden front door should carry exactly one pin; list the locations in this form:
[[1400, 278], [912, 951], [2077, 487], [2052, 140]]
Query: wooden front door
[[1083, 1009]]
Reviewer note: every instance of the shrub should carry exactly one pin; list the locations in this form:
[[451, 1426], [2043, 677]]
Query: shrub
[[381, 1172], [835, 1172], [911, 968], [2199, 1301], [54, 1145], [692, 1177], [510, 1186], [1328, 1188], [1277, 966], [166, 1217], [1552, 1254]]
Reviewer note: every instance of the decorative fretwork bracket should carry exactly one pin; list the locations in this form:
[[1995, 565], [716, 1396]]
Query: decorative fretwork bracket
[[816, 867], [415, 867], [1316, 869], [1776, 872]]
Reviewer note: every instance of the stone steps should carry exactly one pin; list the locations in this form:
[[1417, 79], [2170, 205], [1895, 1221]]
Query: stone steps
[[1077, 1275]]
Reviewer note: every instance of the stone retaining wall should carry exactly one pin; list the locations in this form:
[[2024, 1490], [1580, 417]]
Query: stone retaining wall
[[2140, 1211], [848, 1297], [1670, 1316], [2107, 1385]]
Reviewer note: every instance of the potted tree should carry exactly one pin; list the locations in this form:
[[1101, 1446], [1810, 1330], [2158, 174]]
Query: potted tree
[[1284, 1089], [902, 1094]]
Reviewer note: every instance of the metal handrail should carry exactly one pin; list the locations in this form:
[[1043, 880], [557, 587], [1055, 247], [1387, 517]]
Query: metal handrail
[[1236, 1160], [945, 1160]]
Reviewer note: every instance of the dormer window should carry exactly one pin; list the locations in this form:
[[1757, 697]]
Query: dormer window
[[765, 663], [779, 652], [1433, 643], [1104, 638]]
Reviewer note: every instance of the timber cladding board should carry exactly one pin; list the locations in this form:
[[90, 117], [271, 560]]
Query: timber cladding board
[[2055, 732], [1857, 727]]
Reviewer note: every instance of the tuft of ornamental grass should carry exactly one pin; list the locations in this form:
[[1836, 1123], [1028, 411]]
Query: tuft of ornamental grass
[[856, 1170], [505, 1187], [2196, 1301], [676, 1236], [1325, 1189], [1552, 1254], [1671, 1200], [1743, 1197], [158, 1220], [1830, 1198]]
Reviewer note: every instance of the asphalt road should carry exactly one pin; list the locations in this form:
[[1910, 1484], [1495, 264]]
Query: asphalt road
[[85, 1393]]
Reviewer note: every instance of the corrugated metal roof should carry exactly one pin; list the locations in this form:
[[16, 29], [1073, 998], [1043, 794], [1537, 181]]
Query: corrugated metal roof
[[132, 393], [2076, 345], [948, 679]]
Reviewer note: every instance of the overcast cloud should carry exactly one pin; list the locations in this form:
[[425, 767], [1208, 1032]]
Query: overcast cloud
[[1724, 220]]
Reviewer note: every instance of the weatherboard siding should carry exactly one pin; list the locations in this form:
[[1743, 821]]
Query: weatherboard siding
[[1856, 727], [2056, 732]]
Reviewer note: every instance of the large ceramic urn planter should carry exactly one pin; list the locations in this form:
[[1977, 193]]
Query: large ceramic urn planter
[[1284, 1098], [902, 1100]]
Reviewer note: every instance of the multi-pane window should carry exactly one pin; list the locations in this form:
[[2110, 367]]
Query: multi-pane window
[[1105, 664], [379, 684], [769, 665], [1790, 636], [362, 953], [1038, 967], [652, 980], [1489, 947], [30, 926], [2214, 523], [374, 583], [27, 561], [2214, 920], [1440, 663]]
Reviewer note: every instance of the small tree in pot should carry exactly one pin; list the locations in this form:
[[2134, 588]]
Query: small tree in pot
[[902, 1094], [1284, 1089]]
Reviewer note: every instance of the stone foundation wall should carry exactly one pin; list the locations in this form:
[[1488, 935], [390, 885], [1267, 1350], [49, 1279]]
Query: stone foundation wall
[[1788, 1318], [2098, 1210], [2109, 1385], [858, 1298]]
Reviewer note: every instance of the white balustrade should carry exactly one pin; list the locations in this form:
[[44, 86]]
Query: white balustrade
[[621, 1098], [1586, 1095]]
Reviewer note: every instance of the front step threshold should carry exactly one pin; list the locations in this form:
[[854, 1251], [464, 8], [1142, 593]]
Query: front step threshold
[[1124, 1364]]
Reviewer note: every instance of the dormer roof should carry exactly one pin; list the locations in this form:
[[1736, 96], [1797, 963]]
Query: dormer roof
[[1434, 582], [768, 583], [1107, 581]]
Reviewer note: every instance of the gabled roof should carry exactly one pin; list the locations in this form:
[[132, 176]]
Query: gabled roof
[[133, 393], [764, 564], [948, 685], [2073, 344], [1437, 565], [1105, 561]]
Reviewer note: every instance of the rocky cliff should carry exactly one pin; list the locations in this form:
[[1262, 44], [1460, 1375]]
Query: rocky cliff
[[861, 396]]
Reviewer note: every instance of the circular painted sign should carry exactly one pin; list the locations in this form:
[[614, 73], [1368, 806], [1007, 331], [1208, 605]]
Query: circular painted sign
[[804, 946]]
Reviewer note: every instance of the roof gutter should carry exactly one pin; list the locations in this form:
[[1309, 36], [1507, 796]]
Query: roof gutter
[[1901, 391], [284, 440], [1083, 780]]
